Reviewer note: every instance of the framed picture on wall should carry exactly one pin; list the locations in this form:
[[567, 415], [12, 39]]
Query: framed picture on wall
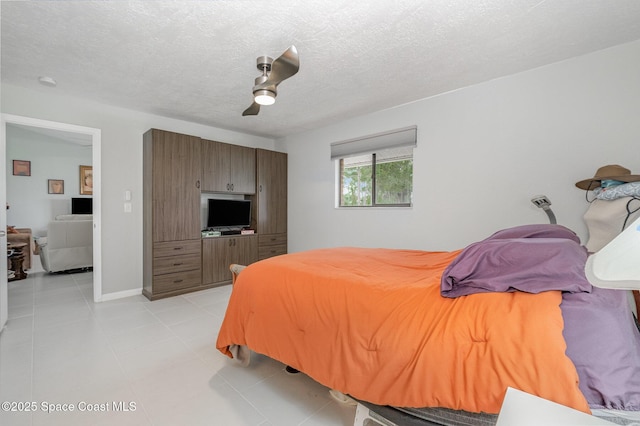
[[21, 168], [56, 186], [86, 180]]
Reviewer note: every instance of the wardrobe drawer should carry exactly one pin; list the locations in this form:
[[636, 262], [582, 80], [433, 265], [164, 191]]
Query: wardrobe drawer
[[172, 248], [167, 265], [272, 239], [176, 281], [265, 252]]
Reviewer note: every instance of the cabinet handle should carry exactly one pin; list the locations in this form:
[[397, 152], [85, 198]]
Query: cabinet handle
[[228, 188], [177, 248], [197, 184], [260, 188], [232, 187], [177, 281], [177, 264], [273, 238]]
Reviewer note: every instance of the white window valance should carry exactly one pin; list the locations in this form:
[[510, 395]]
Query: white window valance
[[406, 136]]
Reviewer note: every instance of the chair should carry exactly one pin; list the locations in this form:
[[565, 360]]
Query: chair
[[68, 244]]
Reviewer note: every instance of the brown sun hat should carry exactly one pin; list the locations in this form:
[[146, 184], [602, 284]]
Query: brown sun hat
[[610, 172]]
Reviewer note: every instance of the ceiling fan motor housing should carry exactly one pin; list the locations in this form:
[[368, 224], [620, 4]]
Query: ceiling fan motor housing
[[264, 63]]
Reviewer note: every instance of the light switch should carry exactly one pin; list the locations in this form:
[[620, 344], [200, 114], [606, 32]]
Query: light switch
[[127, 207], [127, 195]]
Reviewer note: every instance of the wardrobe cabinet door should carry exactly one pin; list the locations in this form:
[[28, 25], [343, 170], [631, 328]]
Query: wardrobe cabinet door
[[176, 186], [271, 192]]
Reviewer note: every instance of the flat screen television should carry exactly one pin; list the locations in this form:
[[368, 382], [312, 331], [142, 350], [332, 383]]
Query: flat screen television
[[228, 213], [82, 205]]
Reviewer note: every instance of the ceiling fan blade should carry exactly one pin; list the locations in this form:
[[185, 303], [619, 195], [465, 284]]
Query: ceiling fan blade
[[283, 67], [254, 109]]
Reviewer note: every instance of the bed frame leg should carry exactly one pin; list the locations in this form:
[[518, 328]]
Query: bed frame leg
[[366, 417]]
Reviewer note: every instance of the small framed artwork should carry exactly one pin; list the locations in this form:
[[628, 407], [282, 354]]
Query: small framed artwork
[[21, 168], [56, 186], [86, 180]]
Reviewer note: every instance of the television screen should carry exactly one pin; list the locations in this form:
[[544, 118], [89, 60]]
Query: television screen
[[228, 213], [82, 206]]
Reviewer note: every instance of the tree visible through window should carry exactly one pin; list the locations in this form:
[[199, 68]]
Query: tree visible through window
[[384, 178]]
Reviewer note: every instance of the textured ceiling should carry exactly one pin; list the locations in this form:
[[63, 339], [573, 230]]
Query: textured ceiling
[[196, 60]]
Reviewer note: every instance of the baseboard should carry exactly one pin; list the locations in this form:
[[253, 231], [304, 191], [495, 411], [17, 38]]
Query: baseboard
[[120, 295]]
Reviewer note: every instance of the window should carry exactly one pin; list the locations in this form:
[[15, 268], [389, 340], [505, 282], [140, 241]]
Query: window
[[376, 170], [382, 178]]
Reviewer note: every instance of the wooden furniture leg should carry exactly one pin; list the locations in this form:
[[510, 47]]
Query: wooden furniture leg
[[16, 266]]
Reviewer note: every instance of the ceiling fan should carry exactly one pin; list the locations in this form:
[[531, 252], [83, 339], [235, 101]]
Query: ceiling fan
[[274, 72]]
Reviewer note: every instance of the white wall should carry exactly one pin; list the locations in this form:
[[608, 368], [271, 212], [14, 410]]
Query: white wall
[[121, 161], [483, 152], [31, 204]]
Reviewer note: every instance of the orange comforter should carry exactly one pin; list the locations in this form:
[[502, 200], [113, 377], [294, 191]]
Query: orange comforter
[[371, 323]]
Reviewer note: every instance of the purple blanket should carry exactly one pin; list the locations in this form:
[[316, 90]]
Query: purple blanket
[[531, 265], [604, 345]]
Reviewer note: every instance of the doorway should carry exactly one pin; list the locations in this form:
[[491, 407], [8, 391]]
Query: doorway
[[50, 126]]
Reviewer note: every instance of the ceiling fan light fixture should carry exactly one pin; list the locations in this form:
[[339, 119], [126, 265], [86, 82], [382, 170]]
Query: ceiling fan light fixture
[[264, 97]]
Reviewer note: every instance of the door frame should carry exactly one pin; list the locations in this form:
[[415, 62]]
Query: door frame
[[96, 135]]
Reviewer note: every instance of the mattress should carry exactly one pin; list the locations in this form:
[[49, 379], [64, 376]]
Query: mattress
[[446, 417], [426, 416], [619, 417]]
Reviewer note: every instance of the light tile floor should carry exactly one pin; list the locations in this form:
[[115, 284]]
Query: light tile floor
[[135, 362]]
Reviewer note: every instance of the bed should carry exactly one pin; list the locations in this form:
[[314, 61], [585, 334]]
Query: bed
[[415, 331]]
